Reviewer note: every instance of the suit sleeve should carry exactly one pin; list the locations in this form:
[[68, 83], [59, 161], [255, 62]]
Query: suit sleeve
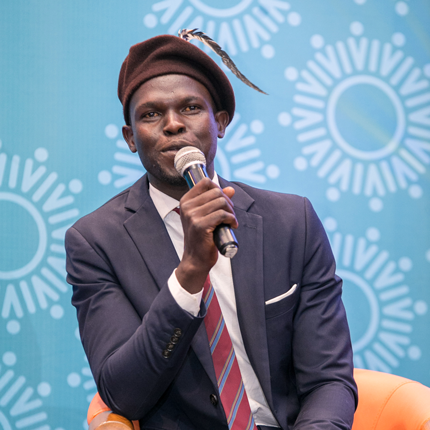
[[127, 354], [322, 352]]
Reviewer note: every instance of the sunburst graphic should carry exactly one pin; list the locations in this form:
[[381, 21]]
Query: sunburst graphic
[[238, 157], [21, 407], [127, 167], [37, 211], [400, 7], [238, 25], [378, 302], [362, 116], [83, 378]]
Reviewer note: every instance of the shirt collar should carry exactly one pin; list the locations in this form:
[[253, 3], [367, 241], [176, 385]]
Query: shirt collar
[[164, 203]]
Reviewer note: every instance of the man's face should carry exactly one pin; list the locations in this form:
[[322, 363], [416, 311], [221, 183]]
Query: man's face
[[168, 113]]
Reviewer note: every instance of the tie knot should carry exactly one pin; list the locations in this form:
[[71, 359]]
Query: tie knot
[[177, 210]]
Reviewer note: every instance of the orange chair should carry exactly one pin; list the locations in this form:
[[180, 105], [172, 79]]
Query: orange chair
[[386, 402], [390, 402], [100, 417]]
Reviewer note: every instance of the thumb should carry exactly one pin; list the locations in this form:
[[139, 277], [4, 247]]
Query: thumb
[[229, 192]]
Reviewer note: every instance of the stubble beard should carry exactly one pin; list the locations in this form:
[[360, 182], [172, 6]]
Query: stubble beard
[[176, 181], [172, 179]]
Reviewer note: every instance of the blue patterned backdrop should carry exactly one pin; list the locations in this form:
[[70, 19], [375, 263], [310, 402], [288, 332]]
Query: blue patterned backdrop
[[346, 123]]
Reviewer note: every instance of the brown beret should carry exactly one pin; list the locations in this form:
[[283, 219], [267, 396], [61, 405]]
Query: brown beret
[[165, 55]]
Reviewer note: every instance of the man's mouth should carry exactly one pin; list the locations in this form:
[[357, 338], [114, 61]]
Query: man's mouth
[[175, 147]]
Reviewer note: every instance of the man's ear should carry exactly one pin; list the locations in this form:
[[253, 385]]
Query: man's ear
[[128, 135], [221, 118]]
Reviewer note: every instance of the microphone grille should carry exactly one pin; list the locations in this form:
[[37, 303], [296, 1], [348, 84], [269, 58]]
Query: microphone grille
[[188, 156]]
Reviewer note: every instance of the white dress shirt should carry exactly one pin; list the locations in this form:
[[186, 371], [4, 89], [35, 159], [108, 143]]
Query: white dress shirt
[[222, 281]]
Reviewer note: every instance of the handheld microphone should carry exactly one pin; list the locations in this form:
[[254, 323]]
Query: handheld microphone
[[190, 163]]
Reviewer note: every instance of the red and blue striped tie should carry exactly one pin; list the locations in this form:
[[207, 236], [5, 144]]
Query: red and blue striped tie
[[230, 384], [229, 379]]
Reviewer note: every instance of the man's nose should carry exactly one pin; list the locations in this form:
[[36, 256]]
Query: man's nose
[[173, 123]]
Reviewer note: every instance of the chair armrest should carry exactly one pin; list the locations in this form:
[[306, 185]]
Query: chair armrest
[[100, 417], [110, 421]]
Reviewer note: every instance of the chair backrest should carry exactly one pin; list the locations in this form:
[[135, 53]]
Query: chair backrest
[[390, 402]]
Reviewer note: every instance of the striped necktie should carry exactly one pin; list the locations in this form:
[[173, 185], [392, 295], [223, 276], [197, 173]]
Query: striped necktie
[[229, 379]]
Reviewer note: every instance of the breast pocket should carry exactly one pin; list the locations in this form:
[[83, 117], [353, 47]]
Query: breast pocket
[[282, 303]]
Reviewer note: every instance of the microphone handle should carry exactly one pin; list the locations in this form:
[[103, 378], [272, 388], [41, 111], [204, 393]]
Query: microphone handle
[[224, 238]]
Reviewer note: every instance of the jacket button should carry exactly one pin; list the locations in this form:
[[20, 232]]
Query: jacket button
[[178, 332], [213, 399], [166, 353], [170, 346], [174, 339]]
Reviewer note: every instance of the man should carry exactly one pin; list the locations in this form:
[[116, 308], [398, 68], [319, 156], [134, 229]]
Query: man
[[138, 271]]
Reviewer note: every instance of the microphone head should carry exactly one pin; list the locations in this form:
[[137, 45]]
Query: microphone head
[[188, 156]]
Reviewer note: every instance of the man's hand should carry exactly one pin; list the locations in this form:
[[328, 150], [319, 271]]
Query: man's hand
[[203, 208]]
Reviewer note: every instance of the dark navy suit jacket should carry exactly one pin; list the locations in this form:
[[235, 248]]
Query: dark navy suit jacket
[[119, 259]]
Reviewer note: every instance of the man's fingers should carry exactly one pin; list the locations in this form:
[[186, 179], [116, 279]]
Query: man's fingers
[[222, 217], [191, 200], [200, 188], [205, 185], [213, 214], [206, 205]]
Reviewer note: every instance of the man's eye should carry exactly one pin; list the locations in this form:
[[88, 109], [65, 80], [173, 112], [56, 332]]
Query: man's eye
[[191, 108], [150, 115]]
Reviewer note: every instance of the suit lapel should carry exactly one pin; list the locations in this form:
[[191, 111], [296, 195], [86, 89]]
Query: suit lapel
[[247, 268], [149, 234]]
